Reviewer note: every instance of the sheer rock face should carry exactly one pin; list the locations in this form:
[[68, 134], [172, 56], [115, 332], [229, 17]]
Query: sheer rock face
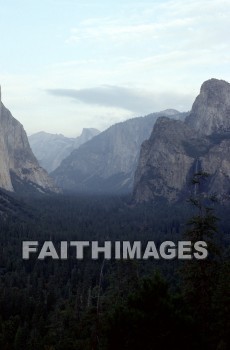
[[211, 109], [107, 163], [217, 163], [176, 150], [18, 165], [164, 162]]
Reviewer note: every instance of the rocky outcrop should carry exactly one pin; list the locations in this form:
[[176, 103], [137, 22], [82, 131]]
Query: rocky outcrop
[[18, 165], [51, 149], [176, 150], [164, 162], [211, 109], [216, 162], [106, 164]]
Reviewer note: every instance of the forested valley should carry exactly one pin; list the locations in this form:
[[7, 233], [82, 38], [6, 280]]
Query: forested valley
[[112, 304]]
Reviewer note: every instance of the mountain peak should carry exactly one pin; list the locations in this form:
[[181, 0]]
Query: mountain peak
[[170, 112], [89, 131], [213, 84], [211, 109], [175, 151], [51, 149]]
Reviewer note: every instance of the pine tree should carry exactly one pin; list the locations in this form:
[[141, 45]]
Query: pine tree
[[200, 276]]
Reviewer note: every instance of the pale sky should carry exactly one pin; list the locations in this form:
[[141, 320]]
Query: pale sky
[[69, 64]]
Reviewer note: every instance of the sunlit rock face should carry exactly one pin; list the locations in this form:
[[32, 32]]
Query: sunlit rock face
[[18, 165]]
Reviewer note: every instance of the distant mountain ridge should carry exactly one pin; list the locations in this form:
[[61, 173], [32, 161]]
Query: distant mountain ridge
[[51, 149], [176, 150], [107, 163], [18, 166]]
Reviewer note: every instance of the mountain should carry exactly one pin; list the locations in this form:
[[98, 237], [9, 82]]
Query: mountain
[[106, 164], [18, 166], [211, 109], [176, 149], [51, 149], [86, 135]]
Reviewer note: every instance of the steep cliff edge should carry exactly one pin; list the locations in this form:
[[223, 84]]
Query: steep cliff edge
[[164, 162], [177, 149], [18, 165]]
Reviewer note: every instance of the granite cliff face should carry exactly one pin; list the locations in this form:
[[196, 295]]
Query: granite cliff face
[[51, 149], [176, 150], [211, 109], [18, 166], [106, 164], [164, 163]]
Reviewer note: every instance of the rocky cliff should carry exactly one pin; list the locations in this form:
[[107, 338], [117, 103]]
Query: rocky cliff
[[176, 150], [106, 164], [51, 149], [211, 109], [18, 166]]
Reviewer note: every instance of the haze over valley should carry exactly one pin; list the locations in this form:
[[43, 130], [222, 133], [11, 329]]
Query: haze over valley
[[115, 175]]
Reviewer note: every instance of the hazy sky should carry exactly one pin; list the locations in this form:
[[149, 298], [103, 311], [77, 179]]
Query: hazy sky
[[69, 64]]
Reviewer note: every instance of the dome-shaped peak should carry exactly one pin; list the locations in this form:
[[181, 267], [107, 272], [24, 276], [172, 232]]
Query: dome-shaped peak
[[214, 85]]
